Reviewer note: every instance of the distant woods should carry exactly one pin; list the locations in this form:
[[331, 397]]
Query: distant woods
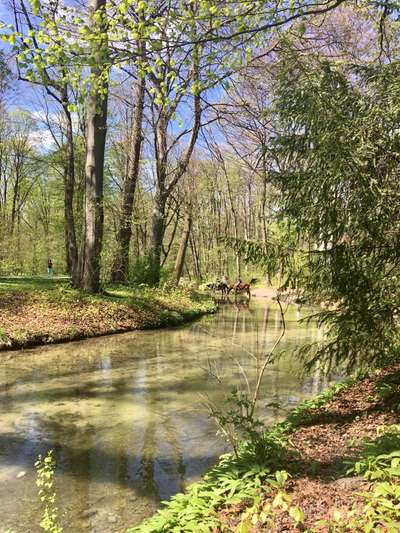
[[106, 165], [146, 141]]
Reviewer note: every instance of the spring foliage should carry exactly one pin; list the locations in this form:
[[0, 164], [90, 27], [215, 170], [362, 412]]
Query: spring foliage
[[337, 143]]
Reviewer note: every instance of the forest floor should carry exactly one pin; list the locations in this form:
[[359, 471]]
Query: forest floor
[[35, 311], [358, 426], [333, 466]]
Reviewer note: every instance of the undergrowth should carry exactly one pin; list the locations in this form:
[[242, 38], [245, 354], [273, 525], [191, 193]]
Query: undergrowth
[[378, 511]]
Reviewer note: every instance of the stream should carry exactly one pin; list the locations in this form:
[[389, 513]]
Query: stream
[[125, 413]]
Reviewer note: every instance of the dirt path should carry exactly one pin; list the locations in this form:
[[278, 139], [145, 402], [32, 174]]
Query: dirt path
[[264, 292]]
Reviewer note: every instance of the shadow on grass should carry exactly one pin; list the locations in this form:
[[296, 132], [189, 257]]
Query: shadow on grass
[[17, 283]]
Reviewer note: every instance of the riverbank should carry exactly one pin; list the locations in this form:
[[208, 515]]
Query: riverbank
[[332, 465], [264, 292], [44, 311]]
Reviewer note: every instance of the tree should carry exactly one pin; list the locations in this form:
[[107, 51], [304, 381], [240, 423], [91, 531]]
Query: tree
[[168, 173], [339, 147], [96, 128], [4, 78], [188, 199], [190, 47], [36, 65], [21, 169], [120, 267]]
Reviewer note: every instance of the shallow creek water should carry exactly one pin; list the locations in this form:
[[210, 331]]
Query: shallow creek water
[[125, 413]]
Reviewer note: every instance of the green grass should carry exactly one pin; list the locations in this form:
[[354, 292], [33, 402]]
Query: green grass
[[143, 295], [19, 283], [41, 310]]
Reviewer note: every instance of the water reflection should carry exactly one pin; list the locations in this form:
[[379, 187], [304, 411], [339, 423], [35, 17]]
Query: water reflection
[[124, 413]]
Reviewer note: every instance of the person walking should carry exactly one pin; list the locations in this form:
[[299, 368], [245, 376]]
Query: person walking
[[49, 267]]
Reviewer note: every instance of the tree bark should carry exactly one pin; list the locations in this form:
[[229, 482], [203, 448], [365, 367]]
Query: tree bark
[[158, 228], [195, 256], [158, 218], [180, 258], [120, 267], [175, 217], [96, 130], [71, 248]]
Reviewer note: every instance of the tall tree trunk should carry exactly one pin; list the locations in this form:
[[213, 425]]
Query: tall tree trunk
[[158, 218], [120, 267], [195, 256], [263, 217], [180, 258], [175, 218], [158, 228], [94, 165], [18, 164], [235, 221], [14, 206], [71, 248], [165, 183]]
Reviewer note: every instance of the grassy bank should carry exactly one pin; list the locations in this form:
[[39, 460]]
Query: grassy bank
[[36, 311], [332, 466]]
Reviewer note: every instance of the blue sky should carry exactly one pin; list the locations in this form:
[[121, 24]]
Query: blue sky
[[30, 98], [21, 93]]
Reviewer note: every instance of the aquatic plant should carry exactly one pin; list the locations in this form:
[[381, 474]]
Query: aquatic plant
[[45, 469]]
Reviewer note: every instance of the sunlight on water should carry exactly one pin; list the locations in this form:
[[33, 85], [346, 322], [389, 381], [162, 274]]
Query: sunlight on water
[[125, 413]]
